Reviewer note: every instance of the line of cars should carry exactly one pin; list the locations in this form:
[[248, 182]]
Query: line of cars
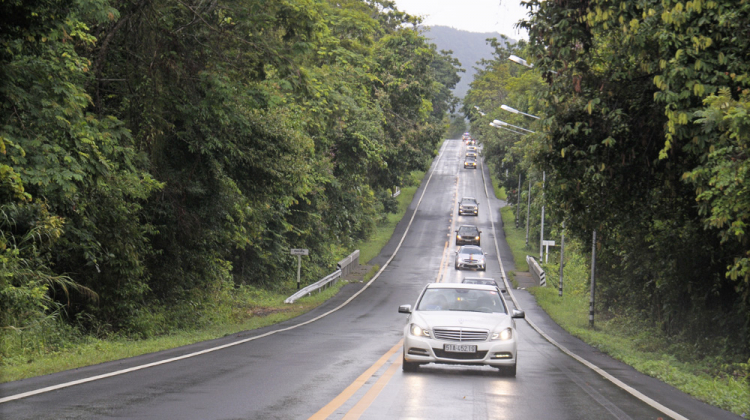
[[466, 323], [472, 153]]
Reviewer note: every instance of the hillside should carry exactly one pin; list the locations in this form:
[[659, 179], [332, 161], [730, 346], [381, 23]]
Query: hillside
[[468, 47]]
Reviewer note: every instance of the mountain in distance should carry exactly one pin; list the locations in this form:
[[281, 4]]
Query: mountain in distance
[[468, 47]]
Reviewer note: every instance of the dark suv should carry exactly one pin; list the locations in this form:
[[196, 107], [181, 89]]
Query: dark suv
[[468, 235], [468, 205]]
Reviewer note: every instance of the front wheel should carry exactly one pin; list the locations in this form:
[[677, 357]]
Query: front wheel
[[408, 366], [508, 370]]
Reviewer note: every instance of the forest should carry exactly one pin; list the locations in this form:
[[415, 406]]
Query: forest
[[642, 137], [157, 156]]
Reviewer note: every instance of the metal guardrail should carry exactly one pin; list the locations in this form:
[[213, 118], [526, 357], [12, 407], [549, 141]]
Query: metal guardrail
[[536, 270], [343, 268], [347, 263]]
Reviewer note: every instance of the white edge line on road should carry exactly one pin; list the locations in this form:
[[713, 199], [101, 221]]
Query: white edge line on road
[[213, 349], [634, 392]]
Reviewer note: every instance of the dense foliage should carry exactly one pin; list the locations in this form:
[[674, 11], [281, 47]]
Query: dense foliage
[[157, 154], [643, 138]]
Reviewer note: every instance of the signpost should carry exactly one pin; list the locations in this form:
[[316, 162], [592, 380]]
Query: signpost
[[546, 245], [299, 252]]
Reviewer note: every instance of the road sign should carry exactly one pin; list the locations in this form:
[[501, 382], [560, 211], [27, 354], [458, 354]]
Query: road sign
[[300, 251], [548, 243]]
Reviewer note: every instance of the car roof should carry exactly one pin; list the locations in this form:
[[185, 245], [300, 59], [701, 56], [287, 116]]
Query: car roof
[[479, 278], [468, 226], [471, 247], [460, 286]]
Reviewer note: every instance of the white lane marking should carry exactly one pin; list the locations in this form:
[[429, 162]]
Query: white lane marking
[[632, 391], [213, 349]]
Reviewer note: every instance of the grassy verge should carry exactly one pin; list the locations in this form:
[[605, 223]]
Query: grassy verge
[[371, 248], [627, 339], [630, 341], [516, 239], [91, 351], [268, 310]]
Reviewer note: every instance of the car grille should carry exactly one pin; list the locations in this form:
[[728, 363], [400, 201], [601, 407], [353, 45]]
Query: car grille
[[452, 334], [462, 356]]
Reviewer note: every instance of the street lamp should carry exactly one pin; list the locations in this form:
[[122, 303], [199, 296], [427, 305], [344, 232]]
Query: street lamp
[[480, 111], [518, 60], [492, 124], [505, 124], [515, 111], [521, 61]]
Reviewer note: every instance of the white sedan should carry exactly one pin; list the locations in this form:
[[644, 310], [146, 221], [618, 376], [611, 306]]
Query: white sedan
[[462, 324]]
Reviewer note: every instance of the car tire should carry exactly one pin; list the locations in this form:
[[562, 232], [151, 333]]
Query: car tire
[[408, 366], [508, 370]]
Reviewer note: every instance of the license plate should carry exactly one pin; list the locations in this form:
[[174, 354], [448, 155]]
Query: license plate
[[460, 348]]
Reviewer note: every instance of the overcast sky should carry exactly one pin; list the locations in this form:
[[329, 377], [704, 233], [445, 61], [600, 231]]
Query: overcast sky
[[470, 15]]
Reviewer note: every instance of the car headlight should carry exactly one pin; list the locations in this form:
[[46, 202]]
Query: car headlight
[[477, 238], [419, 331], [503, 335], [458, 236]]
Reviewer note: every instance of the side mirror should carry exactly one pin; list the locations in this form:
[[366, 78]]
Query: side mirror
[[404, 309], [518, 314]]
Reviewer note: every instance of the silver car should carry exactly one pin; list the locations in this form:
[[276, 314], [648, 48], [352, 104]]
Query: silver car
[[470, 257], [461, 324], [468, 205]]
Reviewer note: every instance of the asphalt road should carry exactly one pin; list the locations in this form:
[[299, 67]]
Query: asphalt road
[[347, 364]]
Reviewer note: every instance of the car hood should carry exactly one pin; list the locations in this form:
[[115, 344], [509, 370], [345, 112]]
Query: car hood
[[474, 257], [462, 319]]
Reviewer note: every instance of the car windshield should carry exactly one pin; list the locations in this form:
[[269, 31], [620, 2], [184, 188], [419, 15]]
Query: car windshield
[[461, 300], [471, 251], [467, 201], [480, 281], [468, 231]]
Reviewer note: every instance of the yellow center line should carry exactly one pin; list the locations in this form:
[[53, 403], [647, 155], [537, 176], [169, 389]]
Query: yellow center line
[[359, 409], [337, 402], [442, 263], [365, 402]]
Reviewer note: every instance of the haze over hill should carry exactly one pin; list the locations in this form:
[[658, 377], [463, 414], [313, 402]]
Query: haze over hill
[[468, 47]]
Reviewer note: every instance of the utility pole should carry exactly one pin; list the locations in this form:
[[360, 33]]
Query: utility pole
[[593, 281], [518, 202], [562, 258], [541, 234], [528, 208]]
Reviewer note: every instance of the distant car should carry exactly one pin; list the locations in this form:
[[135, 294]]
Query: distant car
[[471, 148], [470, 163], [468, 205], [482, 280], [470, 141], [461, 324], [472, 154], [470, 257], [465, 137], [468, 235]]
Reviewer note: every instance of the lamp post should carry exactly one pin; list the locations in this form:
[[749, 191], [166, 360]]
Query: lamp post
[[505, 124], [515, 111], [521, 61], [492, 124], [518, 60]]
